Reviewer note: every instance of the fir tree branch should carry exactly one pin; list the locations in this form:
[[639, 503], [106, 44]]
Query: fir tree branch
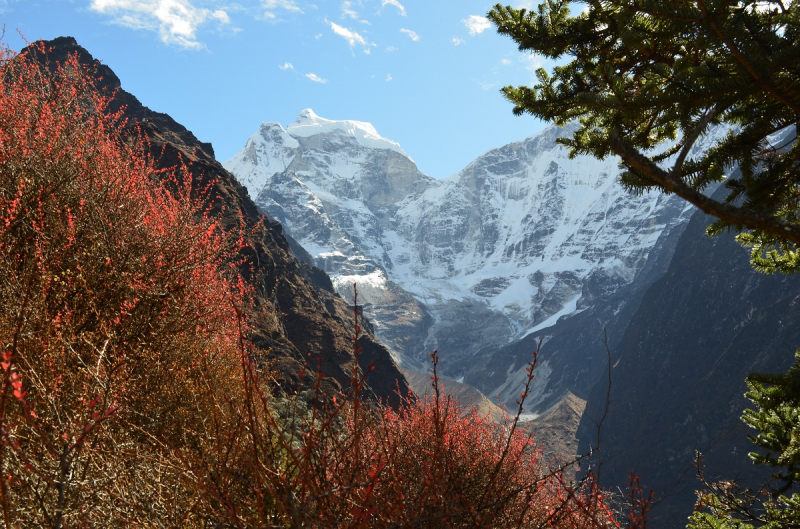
[[692, 138], [742, 60], [757, 220]]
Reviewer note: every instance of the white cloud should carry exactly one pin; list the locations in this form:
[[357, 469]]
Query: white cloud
[[176, 21], [317, 79], [457, 41], [347, 10], [505, 62], [761, 7], [271, 5], [390, 49], [395, 3], [222, 16], [286, 66], [412, 35], [533, 62], [350, 36], [476, 24], [388, 77]]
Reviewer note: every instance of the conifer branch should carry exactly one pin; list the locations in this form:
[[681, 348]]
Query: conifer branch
[[733, 215], [746, 64], [690, 140]]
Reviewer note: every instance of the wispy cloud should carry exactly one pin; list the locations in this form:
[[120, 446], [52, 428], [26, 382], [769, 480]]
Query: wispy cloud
[[533, 62], [457, 41], [317, 79], [349, 35], [505, 62], [395, 3], [347, 10], [221, 16], [176, 21], [388, 77], [286, 66], [288, 5], [271, 6], [476, 24], [411, 34]]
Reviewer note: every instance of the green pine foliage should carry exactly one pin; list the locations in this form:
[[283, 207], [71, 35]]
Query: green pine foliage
[[725, 505], [642, 72], [637, 74], [778, 421]]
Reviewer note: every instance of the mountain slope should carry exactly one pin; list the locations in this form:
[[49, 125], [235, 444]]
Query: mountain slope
[[301, 317], [678, 372]]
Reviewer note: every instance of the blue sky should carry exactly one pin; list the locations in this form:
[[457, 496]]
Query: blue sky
[[425, 73]]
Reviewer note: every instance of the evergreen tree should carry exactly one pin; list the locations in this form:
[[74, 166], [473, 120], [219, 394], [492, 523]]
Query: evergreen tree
[[726, 505], [639, 73], [778, 420], [643, 72]]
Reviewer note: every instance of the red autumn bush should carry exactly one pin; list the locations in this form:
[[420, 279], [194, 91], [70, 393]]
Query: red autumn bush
[[429, 463], [128, 397], [432, 465], [119, 325]]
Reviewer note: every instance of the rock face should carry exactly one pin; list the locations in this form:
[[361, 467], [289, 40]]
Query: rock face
[[301, 317], [476, 265], [679, 371]]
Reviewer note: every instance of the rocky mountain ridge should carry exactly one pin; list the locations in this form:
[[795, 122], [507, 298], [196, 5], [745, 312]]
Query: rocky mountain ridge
[[523, 236], [633, 286]]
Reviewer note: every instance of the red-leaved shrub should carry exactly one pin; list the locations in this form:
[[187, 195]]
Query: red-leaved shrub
[[119, 321], [429, 463]]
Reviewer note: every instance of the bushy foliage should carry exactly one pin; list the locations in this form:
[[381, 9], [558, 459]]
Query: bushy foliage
[[428, 463], [119, 318], [128, 394], [432, 463], [777, 419]]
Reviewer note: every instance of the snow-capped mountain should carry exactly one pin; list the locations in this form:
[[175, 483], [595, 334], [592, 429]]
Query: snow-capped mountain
[[521, 237]]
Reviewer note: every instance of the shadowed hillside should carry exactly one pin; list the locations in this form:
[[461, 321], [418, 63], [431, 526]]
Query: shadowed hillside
[[307, 321]]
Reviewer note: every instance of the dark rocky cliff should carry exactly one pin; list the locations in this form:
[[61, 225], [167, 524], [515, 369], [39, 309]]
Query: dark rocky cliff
[[678, 372], [303, 320]]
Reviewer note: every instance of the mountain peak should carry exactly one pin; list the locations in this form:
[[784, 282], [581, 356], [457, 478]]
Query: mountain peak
[[308, 115], [309, 123]]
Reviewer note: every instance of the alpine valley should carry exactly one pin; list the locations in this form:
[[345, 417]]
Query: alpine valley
[[646, 328]]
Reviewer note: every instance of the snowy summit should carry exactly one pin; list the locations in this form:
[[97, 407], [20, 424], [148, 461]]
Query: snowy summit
[[310, 124]]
